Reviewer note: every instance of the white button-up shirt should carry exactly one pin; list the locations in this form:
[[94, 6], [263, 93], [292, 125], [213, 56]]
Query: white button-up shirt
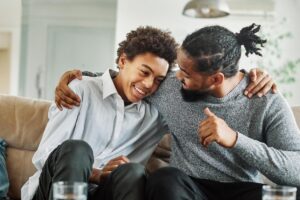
[[102, 120]]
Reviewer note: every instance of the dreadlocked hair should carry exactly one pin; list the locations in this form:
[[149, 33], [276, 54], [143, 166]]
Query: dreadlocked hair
[[215, 48], [248, 38]]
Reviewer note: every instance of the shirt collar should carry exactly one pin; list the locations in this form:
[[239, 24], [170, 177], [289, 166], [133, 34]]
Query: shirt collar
[[109, 87], [108, 84]]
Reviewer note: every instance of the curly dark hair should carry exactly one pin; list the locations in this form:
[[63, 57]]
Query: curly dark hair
[[215, 48], [149, 40]]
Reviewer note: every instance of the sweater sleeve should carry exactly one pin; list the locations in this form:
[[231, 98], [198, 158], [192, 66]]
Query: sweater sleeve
[[278, 155]]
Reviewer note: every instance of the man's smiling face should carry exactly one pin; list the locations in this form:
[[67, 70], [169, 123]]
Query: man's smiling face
[[194, 83]]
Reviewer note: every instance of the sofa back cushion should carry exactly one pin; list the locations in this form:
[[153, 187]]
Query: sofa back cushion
[[22, 123], [296, 111]]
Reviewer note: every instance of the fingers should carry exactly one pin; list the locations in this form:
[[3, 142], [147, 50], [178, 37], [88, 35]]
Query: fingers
[[209, 139], [124, 158], [113, 166], [70, 94], [58, 102], [204, 123], [249, 91], [105, 174], [115, 163], [77, 74], [274, 88], [62, 101], [65, 97], [65, 105], [266, 88], [206, 128], [204, 133], [260, 86]]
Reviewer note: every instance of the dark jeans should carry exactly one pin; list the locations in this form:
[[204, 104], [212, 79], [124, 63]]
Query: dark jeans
[[172, 184], [73, 160]]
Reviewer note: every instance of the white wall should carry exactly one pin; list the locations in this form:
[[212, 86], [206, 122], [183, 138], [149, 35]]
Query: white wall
[[5, 41], [61, 35], [166, 14], [4, 71], [10, 20]]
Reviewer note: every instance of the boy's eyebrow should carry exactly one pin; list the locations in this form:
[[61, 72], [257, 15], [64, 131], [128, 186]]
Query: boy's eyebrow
[[148, 67]]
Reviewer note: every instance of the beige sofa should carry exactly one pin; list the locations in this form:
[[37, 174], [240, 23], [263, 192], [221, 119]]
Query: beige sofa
[[22, 122]]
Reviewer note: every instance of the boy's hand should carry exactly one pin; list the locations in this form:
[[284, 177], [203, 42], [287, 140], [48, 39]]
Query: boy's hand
[[261, 83], [112, 165]]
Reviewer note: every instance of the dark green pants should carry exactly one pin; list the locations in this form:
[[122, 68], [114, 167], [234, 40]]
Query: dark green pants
[[73, 160]]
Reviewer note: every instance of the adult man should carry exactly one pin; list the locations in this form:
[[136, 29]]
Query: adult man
[[237, 137], [112, 126]]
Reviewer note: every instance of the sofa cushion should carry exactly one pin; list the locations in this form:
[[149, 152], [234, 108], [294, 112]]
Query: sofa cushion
[[20, 168]]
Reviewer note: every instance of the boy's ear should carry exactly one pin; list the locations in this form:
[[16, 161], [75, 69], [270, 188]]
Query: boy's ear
[[122, 60]]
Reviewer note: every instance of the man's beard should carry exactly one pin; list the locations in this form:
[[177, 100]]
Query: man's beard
[[191, 95]]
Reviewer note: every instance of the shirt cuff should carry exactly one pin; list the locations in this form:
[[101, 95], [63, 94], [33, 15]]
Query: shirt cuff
[[242, 142]]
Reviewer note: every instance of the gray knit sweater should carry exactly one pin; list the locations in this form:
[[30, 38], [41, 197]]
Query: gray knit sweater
[[268, 139]]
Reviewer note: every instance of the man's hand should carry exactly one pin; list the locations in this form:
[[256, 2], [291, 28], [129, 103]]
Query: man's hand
[[95, 176], [261, 83], [100, 175], [215, 129], [64, 96]]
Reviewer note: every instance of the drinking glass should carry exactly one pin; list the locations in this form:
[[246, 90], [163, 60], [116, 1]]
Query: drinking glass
[[69, 191], [279, 193]]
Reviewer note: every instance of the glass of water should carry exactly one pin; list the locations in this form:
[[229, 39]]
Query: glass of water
[[69, 191], [279, 193]]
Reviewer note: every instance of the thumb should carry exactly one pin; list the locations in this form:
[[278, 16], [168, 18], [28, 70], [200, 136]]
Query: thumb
[[208, 113]]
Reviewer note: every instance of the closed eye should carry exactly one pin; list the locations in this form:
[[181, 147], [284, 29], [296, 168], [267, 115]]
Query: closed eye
[[145, 73], [159, 80]]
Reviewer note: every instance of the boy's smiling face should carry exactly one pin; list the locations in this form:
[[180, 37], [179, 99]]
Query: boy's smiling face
[[141, 76]]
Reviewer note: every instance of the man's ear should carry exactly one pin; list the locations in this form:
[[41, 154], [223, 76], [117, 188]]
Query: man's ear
[[122, 60], [217, 79]]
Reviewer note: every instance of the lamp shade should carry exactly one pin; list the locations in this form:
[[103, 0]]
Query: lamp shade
[[206, 8]]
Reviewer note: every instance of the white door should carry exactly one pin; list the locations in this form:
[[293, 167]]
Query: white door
[[86, 48]]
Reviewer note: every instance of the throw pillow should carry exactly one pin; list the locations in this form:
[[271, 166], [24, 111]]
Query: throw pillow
[[3, 171]]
